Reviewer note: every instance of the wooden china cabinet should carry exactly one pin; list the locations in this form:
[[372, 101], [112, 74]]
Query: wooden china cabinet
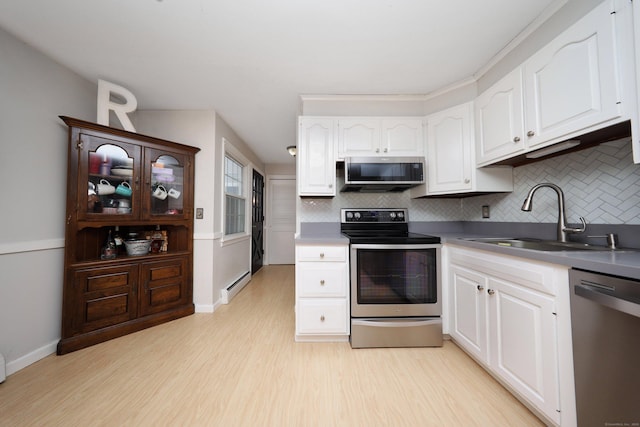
[[136, 186]]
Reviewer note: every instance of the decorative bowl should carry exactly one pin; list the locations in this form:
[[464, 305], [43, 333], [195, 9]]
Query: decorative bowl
[[137, 247]]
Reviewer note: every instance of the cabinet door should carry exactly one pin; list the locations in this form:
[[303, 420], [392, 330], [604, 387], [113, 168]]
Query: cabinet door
[[167, 190], [165, 285], [571, 84], [359, 137], [103, 297], [316, 161], [523, 343], [402, 137], [499, 120], [468, 324], [449, 149], [109, 177]]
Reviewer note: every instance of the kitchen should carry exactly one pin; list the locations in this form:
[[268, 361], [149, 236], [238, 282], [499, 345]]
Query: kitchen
[[502, 207]]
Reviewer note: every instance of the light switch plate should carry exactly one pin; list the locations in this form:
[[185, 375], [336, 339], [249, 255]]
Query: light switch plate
[[199, 213], [485, 211]]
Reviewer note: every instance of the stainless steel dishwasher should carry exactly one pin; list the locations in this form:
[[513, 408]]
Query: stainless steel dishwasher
[[605, 320]]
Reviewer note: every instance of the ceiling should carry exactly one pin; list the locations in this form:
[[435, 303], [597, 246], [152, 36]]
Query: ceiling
[[250, 60]]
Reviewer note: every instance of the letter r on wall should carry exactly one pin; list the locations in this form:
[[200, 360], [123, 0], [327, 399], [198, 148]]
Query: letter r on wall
[[105, 104]]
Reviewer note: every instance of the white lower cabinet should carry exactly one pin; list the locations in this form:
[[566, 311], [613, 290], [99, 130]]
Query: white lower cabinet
[[512, 316], [322, 292]]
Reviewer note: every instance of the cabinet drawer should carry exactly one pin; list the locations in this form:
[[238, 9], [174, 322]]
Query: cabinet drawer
[[322, 316], [164, 285], [104, 296], [322, 253], [322, 279]]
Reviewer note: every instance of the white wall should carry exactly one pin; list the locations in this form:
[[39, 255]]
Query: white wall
[[33, 167], [232, 259], [195, 128], [216, 264]]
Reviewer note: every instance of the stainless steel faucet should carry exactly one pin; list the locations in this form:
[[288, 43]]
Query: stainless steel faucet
[[563, 230]]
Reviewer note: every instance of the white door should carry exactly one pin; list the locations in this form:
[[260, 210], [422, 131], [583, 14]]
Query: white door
[[403, 137], [468, 323], [282, 221], [523, 343], [571, 83], [449, 149], [316, 160], [358, 137], [499, 119]]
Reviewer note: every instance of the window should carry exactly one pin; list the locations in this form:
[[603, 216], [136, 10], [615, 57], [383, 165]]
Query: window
[[235, 203]]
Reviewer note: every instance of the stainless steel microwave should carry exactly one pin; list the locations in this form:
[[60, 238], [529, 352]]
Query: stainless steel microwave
[[382, 174]]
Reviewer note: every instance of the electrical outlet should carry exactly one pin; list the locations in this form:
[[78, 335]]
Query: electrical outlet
[[485, 211], [199, 213]]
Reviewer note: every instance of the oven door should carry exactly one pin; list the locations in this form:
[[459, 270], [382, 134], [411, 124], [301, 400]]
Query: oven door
[[395, 280]]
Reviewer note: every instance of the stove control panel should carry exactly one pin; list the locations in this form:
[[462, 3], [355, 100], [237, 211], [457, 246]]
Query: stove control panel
[[373, 215]]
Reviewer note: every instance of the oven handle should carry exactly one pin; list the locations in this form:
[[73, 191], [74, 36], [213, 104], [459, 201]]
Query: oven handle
[[387, 246], [393, 323]]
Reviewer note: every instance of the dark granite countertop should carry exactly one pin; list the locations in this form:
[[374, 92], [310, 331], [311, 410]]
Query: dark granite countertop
[[321, 233], [619, 263]]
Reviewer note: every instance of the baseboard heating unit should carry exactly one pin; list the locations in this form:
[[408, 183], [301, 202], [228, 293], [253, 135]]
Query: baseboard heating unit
[[232, 290]]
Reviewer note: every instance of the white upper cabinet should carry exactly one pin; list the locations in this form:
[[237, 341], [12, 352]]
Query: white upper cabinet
[[316, 157], [403, 136], [499, 119], [449, 148], [377, 136], [450, 157], [572, 83], [358, 137], [568, 88]]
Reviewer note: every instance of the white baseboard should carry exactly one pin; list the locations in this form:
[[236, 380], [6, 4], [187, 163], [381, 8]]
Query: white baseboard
[[14, 366], [205, 308], [227, 294]]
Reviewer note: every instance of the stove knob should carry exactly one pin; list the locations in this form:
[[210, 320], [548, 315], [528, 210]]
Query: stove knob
[[392, 215], [400, 215], [357, 215], [349, 215]]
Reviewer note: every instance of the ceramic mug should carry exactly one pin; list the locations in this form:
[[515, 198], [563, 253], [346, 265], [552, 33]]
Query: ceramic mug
[[104, 188], [124, 189], [160, 192], [173, 193]]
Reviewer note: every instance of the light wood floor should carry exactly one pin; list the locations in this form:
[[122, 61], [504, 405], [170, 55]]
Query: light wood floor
[[241, 367]]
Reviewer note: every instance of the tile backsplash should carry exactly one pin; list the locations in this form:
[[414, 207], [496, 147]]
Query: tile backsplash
[[601, 184]]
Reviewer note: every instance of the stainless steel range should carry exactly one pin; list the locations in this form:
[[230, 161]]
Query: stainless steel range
[[395, 280]]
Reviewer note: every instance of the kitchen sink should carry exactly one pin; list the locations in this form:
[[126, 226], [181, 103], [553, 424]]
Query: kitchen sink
[[543, 245]]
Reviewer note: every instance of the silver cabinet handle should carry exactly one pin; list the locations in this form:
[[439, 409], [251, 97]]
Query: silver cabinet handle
[[322, 282], [530, 133], [322, 255], [385, 150], [322, 318], [467, 180], [480, 288], [377, 150], [516, 139], [491, 291]]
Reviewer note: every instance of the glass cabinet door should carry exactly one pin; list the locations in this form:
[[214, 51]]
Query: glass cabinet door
[[112, 176], [166, 185]]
